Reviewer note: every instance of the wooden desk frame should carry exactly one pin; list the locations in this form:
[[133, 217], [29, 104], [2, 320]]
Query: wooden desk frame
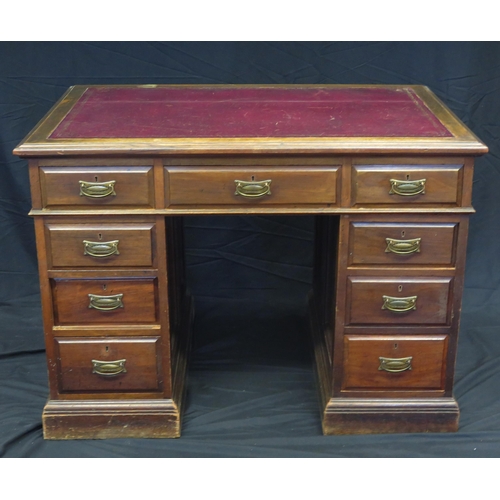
[[345, 333]]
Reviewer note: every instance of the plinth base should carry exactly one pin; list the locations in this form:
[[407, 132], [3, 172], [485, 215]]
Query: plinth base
[[111, 419], [377, 416]]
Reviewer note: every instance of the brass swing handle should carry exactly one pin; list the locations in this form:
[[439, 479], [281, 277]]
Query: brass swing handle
[[109, 368], [399, 304], [100, 248], [105, 302], [395, 365], [403, 247], [97, 189], [407, 188], [253, 189]]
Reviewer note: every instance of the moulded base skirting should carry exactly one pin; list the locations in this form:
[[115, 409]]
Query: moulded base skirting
[[111, 419], [379, 416]]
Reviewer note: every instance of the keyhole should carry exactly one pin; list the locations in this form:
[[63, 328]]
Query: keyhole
[[253, 177], [395, 346], [107, 348], [400, 288], [100, 236], [96, 178], [403, 234], [407, 177], [104, 287]]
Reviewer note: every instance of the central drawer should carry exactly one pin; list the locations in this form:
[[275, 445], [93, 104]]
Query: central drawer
[[108, 364], [398, 301], [104, 301], [245, 186]]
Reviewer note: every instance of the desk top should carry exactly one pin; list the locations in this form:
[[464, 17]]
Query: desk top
[[103, 112], [194, 119]]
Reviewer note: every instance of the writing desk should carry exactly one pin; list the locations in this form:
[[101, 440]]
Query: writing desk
[[386, 170]]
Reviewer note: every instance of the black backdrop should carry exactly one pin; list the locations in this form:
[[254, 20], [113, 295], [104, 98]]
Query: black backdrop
[[251, 389]]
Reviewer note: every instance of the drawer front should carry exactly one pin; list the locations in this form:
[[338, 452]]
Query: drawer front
[[398, 301], [96, 187], [399, 362], [376, 243], [100, 245], [407, 184], [104, 301], [108, 364], [244, 186]]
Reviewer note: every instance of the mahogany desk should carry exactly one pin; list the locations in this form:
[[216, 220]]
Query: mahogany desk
[[387, 170]]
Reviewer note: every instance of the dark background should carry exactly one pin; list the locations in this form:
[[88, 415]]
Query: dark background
[[251, 388]]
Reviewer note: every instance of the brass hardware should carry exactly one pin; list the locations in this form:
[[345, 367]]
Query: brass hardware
[[399, 304], [109, 368], [97, 189], [407, 188], [105, 302], [403, 247], [100, 248], [395, 365], [253, 189]]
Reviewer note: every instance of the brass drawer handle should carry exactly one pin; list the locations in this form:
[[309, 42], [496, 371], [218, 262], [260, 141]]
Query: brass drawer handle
[[109, 368], [407, 188], [105, 302], [97, 189], [395, 365], [399, 304], [100, 248], [403, 247], [253, 189]]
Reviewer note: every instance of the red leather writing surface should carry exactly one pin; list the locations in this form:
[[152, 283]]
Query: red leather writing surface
[[176, 112]]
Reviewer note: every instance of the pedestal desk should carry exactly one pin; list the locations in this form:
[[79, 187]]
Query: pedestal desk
[[385, 170]]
